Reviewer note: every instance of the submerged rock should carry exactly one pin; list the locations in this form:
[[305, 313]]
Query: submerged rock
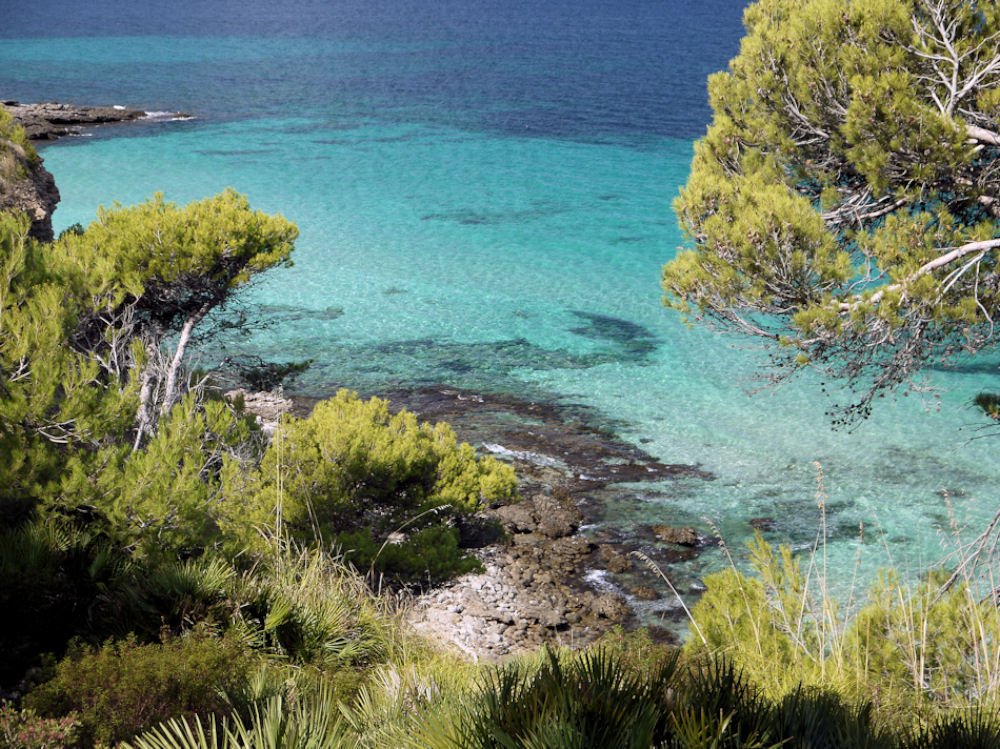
[[644, 592], [615, 560]]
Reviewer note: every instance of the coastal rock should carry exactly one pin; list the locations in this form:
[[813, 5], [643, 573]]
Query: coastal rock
[[615, 560], [516, 518], [680, 536], [644, 592], [530, 593], [557, 517], [26, 186], [52, 120], [545, 516], [267, 407]]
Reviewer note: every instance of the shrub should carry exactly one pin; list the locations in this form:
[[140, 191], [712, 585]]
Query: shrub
[[23, 729], [431, 553], [125, 686], [306, 606], [311, 608], [592, 701], [313, 722], [353, 474], [50, 574], [928, 646]]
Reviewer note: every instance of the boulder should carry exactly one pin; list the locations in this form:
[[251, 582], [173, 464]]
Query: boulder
[[680, 536], [644, 592], [614, 560]]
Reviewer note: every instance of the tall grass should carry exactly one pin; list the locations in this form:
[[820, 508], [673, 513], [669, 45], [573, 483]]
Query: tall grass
[[914, 650]]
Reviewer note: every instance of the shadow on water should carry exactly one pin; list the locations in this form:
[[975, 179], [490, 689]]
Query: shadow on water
[[635, 340], [471, 217], [288, 313]]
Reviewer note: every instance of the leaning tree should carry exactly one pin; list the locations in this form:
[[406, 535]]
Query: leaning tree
[[844, 202]]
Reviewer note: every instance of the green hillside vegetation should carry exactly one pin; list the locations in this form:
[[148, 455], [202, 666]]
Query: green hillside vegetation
[[170, 576]]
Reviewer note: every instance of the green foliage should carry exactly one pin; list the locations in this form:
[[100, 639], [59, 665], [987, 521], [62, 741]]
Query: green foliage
[[589, 702], [923, 648], [124, 687], [595, 699], [75, 228], [313, 722], [352, 473], [311, 608], [852, 150], [306, 607], [989, 404], [23, 729], [17, 155], [84, 319], [159, 501], [50, 573], [975, 729], [431, 554], [170, 260]]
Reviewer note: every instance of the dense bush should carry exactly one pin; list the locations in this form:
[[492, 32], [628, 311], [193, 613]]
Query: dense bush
[[352, 474], [48, 577], [124, 687], [596, 699], [23, 729]]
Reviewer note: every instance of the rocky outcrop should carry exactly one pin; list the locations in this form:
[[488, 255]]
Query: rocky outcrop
[[680, 536], [267, 408], [531, 591], [27, 187], [52, 120]]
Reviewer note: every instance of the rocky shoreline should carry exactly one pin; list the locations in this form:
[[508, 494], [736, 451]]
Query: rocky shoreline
[[549, 581], [548, 578], [544, 578], [48, 121]]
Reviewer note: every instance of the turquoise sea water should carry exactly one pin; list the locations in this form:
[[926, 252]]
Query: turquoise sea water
[[484, 202]]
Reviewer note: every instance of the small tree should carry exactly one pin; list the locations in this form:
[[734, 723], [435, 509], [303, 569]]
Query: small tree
[[844, 202], [353, 473], [95, 327], [151, 273]]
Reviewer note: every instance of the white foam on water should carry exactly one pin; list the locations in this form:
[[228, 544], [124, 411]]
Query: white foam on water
[[537, 458]]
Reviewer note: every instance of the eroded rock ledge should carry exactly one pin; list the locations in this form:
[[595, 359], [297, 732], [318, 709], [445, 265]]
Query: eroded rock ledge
[[27, 187], [52, 120]]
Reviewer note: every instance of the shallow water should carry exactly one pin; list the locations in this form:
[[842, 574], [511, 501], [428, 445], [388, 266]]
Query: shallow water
[[483, 194]]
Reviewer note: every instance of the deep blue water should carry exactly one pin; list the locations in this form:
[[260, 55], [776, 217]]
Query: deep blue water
[[483, 191]]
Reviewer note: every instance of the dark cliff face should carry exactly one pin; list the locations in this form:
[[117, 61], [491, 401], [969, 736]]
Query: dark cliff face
[[26, 186]]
